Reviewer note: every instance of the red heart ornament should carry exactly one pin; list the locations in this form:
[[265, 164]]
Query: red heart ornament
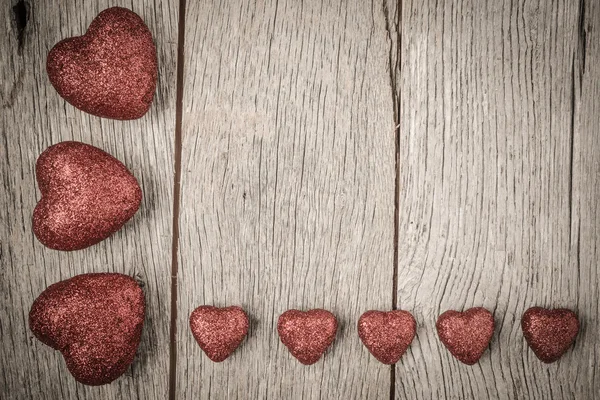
[[219, 331], [307, 334], [549, 333], [87, 195], [466, 334], [387, 335], [111, 70], [95, 321]]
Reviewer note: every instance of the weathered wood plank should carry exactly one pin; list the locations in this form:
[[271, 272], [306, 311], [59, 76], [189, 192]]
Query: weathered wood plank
[[492, 190], [287, 196], [33, 117]]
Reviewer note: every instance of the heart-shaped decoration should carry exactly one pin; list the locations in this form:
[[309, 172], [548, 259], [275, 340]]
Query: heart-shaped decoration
[[87, 195], [94, 320], [219, 331], [307, 334], [387, 335], [110, 71], [549, 333], [466, 334]]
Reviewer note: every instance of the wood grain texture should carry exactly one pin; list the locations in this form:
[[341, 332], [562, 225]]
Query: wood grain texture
[[287, 196], [288, 190], [33, 117], [498, 191]]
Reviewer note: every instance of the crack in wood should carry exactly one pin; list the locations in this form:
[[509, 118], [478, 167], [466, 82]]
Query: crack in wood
[[21, 17], [572, 142], [577, 75], [582, 45]]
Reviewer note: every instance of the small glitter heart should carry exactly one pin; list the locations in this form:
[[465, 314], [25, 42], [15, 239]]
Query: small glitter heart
[[307, 334], [549, 333], [87, 195], [111, 70], [466, 334], [387, 335], [219, 331], [95, 321]]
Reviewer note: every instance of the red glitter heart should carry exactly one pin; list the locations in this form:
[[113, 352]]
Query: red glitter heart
[[387, 335], [466, 334], [111, 70], [307, 334], [95, 321], [549, 333], [87, 195], [219, 331]]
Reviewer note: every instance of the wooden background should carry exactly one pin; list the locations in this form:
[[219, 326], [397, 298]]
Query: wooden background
[[348, 155]]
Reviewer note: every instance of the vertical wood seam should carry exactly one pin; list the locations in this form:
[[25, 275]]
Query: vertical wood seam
[[176, 201], [393, 69]]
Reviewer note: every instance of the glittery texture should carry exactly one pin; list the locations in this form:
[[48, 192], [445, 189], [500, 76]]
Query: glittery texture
[[466, 334], [111, 70], [219, 331], [95, 321], [387, 335], [87, 195], [307, 334], [549, 333]]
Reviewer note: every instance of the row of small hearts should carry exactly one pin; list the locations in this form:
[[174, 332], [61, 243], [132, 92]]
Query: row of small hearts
[[386, 334], [95, 320]]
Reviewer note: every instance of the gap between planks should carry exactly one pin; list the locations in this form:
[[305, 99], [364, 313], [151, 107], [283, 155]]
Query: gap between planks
[[176, 201], [394, 68]]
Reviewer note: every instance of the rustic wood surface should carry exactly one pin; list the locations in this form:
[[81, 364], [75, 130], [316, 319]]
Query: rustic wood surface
[[32, 117], [287, 197], [304, 125], [498, 189]]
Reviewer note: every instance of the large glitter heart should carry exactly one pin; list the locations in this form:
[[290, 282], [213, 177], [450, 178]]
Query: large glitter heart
[[549, 333], [87, 195], [95, 321], [219, 331], [307, 334], [466, 334], [111, 70], [387, 335]]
